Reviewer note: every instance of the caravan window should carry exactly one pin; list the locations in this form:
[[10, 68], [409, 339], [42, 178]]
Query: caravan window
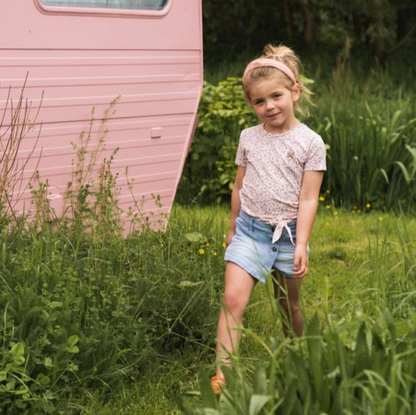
[[111, 4]]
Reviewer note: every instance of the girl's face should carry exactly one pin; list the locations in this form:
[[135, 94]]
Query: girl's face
[[273, 104]]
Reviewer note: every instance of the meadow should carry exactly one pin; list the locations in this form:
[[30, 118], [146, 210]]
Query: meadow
[[128, 326], [96, 323]]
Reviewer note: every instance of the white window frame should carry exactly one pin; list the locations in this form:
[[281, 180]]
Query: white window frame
[[104, 11]]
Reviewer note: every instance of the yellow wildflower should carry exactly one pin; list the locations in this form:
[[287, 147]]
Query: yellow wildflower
[[328, 207], [207, 244], [224, 245], [380, 218], [336, 213], [321, 198], [328, 191], [214, 253], [201, 252], [368, 205], [327, 224]]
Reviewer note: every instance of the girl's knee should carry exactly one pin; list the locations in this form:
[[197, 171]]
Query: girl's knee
[[233, 302]]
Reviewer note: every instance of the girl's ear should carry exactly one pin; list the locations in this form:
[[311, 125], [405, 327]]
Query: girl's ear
[[296, 91]]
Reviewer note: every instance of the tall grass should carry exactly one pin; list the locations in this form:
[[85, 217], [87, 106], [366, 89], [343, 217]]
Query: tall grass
[[85, 309], [12, 133], [370, 131], [357, 355], [92, 321]]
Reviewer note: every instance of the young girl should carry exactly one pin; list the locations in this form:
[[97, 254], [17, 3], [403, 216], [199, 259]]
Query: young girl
[[274, 200]]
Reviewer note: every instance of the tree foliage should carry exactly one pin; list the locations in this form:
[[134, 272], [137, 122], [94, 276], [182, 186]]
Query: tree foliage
[[379, 27]]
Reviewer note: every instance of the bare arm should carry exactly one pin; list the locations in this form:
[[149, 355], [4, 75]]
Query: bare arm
[[235, 202], [308, 206]]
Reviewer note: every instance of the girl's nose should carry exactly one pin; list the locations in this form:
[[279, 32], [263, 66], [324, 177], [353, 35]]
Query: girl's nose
[[269, 103]]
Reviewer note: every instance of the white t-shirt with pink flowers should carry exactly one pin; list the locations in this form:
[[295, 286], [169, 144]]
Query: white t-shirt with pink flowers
[[274, 169]]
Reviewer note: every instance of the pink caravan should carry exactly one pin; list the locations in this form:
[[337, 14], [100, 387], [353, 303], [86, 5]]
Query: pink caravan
[[134, 66]]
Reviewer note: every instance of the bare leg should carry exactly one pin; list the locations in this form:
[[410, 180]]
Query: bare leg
[[289, 298], [238, 288]]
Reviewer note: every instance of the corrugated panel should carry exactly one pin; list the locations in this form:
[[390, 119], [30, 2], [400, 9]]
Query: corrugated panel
[[154, 92], [74, 82]]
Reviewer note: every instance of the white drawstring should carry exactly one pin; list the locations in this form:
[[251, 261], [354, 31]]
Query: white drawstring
[[278, 232]]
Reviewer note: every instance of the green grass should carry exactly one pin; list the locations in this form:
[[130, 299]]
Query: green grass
[[357, 268], [92, 323]]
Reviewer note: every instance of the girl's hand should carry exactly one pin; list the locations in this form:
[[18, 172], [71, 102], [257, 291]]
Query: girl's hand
[[229, 238], [300, 265]]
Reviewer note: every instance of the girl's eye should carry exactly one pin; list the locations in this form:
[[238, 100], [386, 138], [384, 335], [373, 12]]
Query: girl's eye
[[275, 96]]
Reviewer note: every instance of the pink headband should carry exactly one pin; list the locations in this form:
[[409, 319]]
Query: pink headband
[[264, 62]]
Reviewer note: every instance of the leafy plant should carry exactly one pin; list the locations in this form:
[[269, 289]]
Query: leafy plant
[[210, 167]]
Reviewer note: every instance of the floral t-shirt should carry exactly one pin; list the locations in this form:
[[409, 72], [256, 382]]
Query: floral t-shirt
[[274, 169]]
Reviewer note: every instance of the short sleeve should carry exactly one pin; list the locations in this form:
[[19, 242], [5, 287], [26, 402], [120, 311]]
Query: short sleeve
[[241, 159], [317, 155]]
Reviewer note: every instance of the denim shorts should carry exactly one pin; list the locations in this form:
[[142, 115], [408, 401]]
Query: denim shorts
[[252, 249]]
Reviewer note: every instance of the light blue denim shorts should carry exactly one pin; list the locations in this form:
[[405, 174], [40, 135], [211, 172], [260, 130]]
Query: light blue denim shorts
[[252, 249]]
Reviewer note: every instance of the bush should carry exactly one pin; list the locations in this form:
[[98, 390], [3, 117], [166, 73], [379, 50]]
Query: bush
[[210, 169]]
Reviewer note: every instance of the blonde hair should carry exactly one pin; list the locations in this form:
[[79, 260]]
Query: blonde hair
[[288, 57]]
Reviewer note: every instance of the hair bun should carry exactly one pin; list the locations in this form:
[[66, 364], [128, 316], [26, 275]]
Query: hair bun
[[285, 55]]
